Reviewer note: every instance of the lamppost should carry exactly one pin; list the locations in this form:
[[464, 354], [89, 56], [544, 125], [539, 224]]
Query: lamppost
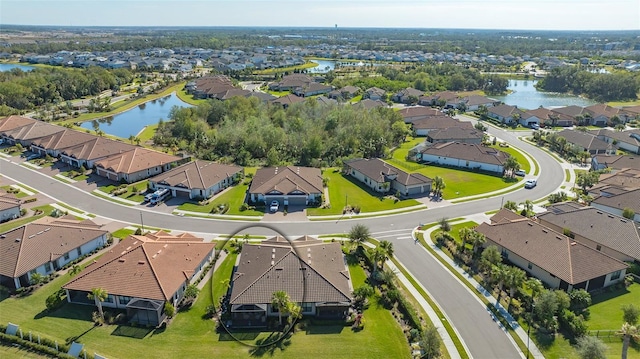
[[529, 327]]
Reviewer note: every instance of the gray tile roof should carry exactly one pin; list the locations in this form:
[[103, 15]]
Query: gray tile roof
[[198, 174], [617, 233], [617, 162], [378, 170], [314, 272], [584, 140], [287, 180], [629, 199], [468, 152]]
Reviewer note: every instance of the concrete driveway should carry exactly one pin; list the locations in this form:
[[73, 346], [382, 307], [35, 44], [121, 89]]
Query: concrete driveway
[[294, 214]]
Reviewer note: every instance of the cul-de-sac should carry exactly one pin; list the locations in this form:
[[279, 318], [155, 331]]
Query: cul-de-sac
[[379, 190]]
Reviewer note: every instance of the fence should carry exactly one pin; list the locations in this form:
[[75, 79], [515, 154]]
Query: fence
[[607, 336]]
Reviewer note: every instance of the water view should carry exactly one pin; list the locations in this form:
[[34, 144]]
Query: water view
[[324, 66], [9, 67], [525, 95], [131, 122]]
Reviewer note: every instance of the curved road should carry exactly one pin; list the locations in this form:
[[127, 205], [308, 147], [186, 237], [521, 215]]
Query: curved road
[[466, 313]]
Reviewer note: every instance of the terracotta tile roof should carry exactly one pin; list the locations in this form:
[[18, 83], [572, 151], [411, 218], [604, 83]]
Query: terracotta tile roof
[[584, 140], [467, 152], [557, 254], [455, 134], [628, 199], [439, 122], [602, 109], [144, 267], [197, 174], [212, 85], [420, 111], [314, 272], [63, 139], [97, 148], [26, 129], [8, 200], [287, 180], [617, 233], [379, 171], [505, 214], [288, 99], [32, 245], [505, 110], [14, 122], [135, 160]]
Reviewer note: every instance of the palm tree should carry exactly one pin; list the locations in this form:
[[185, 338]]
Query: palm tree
[[137, 140], [527, 207], [294, 311], [584, 156], [74, 270], [359, 234], [477, 240], [511, 165], [499, 275], [465, 236], [444, 224], [510, 205], [628, 332], [99, 295], [132, 138], [515, 278], [438, 186], [280, 300], [535, 285]]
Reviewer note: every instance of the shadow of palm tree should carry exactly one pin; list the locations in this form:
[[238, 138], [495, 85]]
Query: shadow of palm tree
[[271, 343]]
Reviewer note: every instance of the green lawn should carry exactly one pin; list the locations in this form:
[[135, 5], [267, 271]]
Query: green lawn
[[234, 196], [188, 98], [123, 233], [223, 273], [459, 183], [20, 194], [343, 189], [7, 226], [356, 99], [131, 194], [189, 335], [524, 164], [605, 310], [147, 133]]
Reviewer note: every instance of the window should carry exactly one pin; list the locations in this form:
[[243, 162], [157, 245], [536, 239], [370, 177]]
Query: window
[[124, 300], [47, 267], [530, 266], [615, 275], [599, 247], [110, 299], [66, 256], [79, 251], [307, 307]]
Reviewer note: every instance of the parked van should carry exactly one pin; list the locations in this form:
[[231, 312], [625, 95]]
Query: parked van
[[159, 196]]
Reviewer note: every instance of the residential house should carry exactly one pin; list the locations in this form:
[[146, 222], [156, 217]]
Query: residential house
[[626, 140], [586, 141], [455, 134], [383, 177], [262, 96], [538, 116], [555, 259], [566, 116], [288, 100], [632, 111], [440, 99], [134, 165], [87, 153], [311, 89], [474, 102], [323, 100], [24, 130], [464, 155], [410, 114], [374, 93], [210, 86], [407, 95], [312, 272], [44, 247], [142, 273], [291, 82], [423, 126], [9, 207], [197, 179], [616, 204], [614, 162], [602, 115], [54, 144], [369, 104], [619, 182], [506, 114], [349, 92], [290, 185], [615, 236]]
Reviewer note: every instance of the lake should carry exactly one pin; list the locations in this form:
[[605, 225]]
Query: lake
[[525, 95], [132, 121], [324, 66], [9, 67]]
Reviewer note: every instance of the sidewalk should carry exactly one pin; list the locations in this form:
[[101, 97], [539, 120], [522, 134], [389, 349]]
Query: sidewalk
[[368, 214], [522, 334]]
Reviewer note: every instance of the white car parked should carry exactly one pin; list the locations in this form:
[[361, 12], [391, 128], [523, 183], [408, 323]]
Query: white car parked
[[274, 206], [530, 183]]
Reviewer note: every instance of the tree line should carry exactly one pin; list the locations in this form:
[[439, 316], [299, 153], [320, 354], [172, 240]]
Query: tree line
[[616, 86], [247, 132], [26, 90]]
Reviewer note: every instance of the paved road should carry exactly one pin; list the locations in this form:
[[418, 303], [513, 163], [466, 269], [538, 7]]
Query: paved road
[[482, 336]]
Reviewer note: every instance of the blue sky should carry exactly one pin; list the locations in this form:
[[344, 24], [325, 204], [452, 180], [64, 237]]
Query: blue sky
[[472, 14]]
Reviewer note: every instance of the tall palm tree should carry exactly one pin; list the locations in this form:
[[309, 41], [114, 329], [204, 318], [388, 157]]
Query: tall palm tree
[[438, 186], [465, 236], [628, 332], [74, 270], [511, 165], [132, 138], [477, 240], [536, 287], [527, 206], [99, 295], [387, 247], [499, 275], [280, 300], [359, 234], [515, 278], [294, 311]]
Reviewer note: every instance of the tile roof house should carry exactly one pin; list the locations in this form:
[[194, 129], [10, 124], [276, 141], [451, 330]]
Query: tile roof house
[[134, 165], [210, 86], [9, 207], [566, 116], [313, 273], [411, 114], [53, 144], [539, 115], [617, 203], [619, 182], [407, 95], [383, 177], [44, 247], [474, 102], [311, 89], [601, 114], [505, 113], [369, 104], [24, 130], [464, 155], [615, 162], [615, 236], [289, 185], [374, 93], [552, 257], [455, 134], [288, 100], [626, 140], [290, 82], [586, 142], [142, 273], [424, 125], [197, 179], [441, 99]]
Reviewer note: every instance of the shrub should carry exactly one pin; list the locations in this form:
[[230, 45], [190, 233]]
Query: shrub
[[56, 300], [169, 309]]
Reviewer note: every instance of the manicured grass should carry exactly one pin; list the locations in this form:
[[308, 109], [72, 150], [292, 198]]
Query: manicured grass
[[606, 312], [81, 177], [459, 183], [343, 189], [147, 133], [286, 69], [131, 194], [455, 229], [219, 284], [188, 98], [356, 99], [524, 164], [20, 194], [567, 175], [123, 233], [278, 93], [234, 196], [11, 352]]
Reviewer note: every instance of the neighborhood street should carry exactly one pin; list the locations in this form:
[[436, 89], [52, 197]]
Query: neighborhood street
[[477, 329]]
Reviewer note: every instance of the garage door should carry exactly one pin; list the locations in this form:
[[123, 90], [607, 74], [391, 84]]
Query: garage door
[[297, 200], [415, 190], [182, 194]]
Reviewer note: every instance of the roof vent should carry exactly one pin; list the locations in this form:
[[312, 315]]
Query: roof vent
[[141, 262], [31, 236], [623, 221], [40, 232], [47, 229], [560, 238], [18, 239], [121, 260], [530, 224], [573, 243], [272, 262], [545, 231]]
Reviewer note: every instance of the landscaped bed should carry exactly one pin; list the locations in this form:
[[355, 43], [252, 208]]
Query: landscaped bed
[[233, 197], [132, 192]]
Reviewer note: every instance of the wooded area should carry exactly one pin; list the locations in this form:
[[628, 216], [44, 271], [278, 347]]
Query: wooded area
[[617, 86]]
